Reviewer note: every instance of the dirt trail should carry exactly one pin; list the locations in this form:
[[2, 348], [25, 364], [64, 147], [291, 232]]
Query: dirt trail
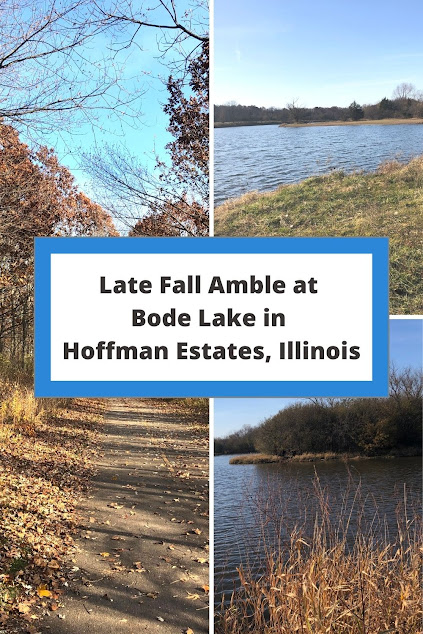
[[148, 516]]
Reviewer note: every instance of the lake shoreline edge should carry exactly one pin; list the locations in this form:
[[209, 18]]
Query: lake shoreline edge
[[254, 458], [387, 201], [240, 124]]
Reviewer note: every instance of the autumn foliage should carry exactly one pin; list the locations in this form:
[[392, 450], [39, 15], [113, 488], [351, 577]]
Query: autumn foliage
[[173, 219], [173, 200], [38, 197], [46, 458], [187, 212]]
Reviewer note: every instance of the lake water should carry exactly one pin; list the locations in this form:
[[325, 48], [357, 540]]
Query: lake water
[[261, 158], [245, 492]]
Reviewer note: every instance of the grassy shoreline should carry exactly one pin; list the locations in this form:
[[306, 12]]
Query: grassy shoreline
[[239, 124], [254, 458], [387, 202], [417, 121]]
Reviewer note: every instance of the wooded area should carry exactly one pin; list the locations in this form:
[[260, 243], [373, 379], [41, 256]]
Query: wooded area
[[38, 197], [50, 81], [364, 426], [406, 102], [64, 75]]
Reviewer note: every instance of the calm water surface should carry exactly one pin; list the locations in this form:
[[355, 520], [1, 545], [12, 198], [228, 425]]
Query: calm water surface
[[242, 492], [263, 157]]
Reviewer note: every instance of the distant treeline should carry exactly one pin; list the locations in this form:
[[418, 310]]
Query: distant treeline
[[406, 103], [367, 426]]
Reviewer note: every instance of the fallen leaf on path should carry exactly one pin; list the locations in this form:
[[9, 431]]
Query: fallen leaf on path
[[53, 564], [138, 566], [105, 554], [43, 592], [192, 596], [205, 588], [161, 619]]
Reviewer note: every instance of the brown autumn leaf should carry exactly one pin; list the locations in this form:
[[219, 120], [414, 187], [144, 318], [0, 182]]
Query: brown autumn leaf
[[53, 564]]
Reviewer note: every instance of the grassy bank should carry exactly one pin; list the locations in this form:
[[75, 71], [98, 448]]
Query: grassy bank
[[361, 122], [304, 457], [341, 571], [387, 202], [238, 124], [254, 458], [47, 446]]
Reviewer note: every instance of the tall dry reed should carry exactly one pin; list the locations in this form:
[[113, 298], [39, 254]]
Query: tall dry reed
[[341, 572]]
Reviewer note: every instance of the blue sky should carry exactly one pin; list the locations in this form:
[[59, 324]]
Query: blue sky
[[144, 71], [325, 53], [230, 414], [142, 134]]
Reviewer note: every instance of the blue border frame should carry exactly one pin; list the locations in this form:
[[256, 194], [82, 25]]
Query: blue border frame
[[44, 387]]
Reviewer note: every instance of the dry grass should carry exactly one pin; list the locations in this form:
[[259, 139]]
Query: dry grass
[[261, 458], [387, 203], [327, 583], [237, 124], [312, 457], [254, 458], [340, 573], [320, 589]]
